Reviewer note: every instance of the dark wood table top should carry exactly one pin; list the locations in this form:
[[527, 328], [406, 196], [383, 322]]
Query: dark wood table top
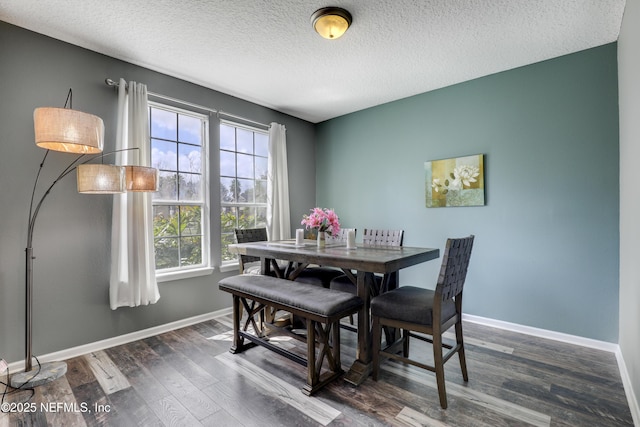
[[369, 258]]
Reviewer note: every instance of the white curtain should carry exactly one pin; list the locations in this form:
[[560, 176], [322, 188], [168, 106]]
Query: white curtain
[[278, 217], [133, 278]]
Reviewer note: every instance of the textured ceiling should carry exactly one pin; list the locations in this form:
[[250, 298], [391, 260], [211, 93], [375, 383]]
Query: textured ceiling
[[265, 51]]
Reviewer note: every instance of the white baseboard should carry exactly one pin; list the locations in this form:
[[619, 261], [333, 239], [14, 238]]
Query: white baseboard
[[628, 389], [571, 339], [543, 333], [121, 339]]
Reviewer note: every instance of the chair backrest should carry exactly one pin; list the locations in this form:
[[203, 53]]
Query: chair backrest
[[247, 235], [340, 237], [455, 263], [383, 237]]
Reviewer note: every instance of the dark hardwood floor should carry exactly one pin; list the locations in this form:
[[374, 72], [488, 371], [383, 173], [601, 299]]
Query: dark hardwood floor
[[187, 377]]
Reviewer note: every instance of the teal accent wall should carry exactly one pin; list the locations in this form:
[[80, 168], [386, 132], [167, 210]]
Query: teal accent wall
[[546, 252]]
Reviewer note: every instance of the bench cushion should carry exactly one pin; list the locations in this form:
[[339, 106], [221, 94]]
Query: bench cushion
[[303, 296]]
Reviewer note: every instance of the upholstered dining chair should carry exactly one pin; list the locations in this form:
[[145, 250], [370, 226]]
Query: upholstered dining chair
[[371, 237], [431, 312], [250, 264], [321, 275]]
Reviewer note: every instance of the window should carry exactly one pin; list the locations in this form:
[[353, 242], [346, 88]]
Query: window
[[244, 153], [179, 142]]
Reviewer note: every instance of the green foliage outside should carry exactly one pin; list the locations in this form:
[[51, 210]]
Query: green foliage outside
[[249, 217], [178, 236]]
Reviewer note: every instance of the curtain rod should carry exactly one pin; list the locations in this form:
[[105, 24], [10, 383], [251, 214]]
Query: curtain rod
[[113, 83]]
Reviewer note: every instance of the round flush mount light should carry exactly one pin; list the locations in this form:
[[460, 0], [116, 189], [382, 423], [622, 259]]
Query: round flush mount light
[[331, 22]]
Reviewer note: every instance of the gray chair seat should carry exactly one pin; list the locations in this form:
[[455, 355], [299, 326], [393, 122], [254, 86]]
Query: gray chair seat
[[319, 276], [410, 304]]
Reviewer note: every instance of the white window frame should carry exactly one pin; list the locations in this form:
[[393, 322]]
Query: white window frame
[[183, 272], [227, 265]]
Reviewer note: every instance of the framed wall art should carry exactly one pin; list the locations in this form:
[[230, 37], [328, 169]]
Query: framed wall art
[[457, 181]]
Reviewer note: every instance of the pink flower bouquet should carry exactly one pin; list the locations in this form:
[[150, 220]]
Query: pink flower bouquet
[[323, 220]]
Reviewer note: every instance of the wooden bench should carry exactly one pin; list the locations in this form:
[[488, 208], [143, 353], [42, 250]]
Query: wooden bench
[[322, 308]]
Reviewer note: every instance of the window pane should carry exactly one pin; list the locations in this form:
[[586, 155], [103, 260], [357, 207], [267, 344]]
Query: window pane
[[262, 164], [226, 240], [245, 190], [261, 217], [166, 253], [245, 141], [190, 218], [261, 191], [189, 129], [164, 124], [247, 218], [245, 166], [228, 219], [190, 251], [190, 158], [190, 187], [164, 155], [262, 144], [227, 137], [167, 186], [227, 163], [228, 190], [165, 221]]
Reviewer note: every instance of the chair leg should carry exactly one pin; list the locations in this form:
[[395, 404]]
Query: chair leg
[[405, 342], [375, 348], [438, 364], [460, 341]]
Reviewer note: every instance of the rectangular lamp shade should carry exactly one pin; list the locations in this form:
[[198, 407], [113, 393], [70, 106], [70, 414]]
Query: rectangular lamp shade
[[70, 131], [141, 178], [100, 179]]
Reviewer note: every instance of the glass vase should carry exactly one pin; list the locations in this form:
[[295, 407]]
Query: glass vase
[[322, 239]]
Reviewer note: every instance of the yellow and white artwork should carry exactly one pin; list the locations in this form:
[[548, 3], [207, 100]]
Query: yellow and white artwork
[[455, 182]]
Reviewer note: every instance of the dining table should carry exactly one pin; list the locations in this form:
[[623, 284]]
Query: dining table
[[359, 263]]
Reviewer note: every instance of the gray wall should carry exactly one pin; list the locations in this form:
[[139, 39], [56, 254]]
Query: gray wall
[[629, 70], [546, 251], [73, 231]]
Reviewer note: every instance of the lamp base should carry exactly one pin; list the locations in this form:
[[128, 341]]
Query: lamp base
[[48, 372]]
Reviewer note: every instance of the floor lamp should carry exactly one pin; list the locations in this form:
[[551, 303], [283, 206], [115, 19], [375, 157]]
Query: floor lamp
[[75, 132]]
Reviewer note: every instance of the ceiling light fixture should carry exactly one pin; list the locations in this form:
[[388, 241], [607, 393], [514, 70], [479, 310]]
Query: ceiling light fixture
[[331, 22]]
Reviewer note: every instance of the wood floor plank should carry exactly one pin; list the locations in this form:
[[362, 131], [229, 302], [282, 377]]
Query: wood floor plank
[[486, 401], [190, 370], [133, 409], [172, 413], [147, 386], [292, 395], [79, 372], [109, 376], [414, 418], [251, 405], [222, 418], [62, 408], [97, 408]]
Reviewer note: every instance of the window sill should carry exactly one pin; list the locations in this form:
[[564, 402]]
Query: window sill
[[186, 274], [229, 267]]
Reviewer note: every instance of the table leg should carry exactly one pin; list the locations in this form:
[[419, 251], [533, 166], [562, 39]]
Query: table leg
[[361, 367]]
